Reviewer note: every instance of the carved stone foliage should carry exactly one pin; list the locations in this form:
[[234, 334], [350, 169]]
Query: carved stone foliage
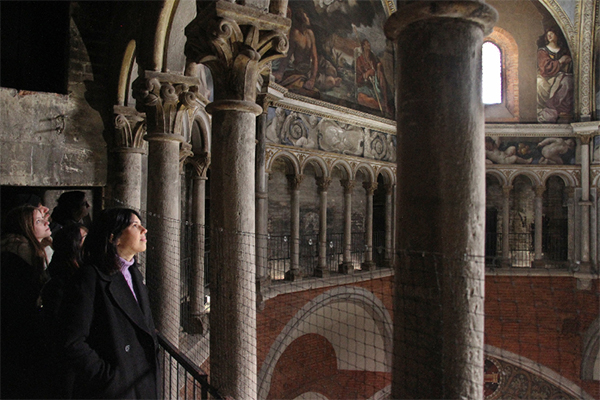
[[130, 129], [169, 106], [297, 129], [236, 43]]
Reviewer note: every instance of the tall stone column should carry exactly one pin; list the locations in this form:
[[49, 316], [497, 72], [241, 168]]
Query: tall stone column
[[128, 149], [323, 184], [201, 164], [389, 213], [369, 265], [262, 207], [294, 273], [506, 263], [538, 222], [237, 43], [584, 131], [169, 105], [439, 279], [346, 267]]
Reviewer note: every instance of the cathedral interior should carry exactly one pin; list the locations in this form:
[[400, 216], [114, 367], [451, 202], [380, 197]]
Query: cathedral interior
[[335, 209]]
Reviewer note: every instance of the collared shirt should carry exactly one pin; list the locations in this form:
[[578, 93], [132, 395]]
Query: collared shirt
[[126, 274]]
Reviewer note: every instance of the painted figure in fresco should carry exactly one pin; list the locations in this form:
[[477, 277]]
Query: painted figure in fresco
[[273, 131], [555, 77], [370, 80], [507, 156], [302, 70], [554, 148]]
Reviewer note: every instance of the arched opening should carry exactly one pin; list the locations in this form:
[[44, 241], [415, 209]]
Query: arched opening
[[493, 221], [522, 216], [555, 225]]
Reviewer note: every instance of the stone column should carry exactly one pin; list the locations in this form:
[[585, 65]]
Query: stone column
[[323, 184], [201, 164], [170, 105], [369, 265], [237, 43], [346, 267], [128, 149], [262, 208], [294, 273], [506, 262], [439, 278], [538, 222], [389, 212], [585, 130]]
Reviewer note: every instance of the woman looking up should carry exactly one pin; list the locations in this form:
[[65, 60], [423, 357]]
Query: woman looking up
[[108, 333], [23, 274]]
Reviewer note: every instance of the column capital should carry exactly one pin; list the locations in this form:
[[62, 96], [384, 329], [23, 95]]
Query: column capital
[[130, 128], [237, 44], [506, 190], [585, 130], [201, 163], [370, 187], [410, 12], [348, 185], [295, 180], [323, 184], [168, 100], [539, 190]]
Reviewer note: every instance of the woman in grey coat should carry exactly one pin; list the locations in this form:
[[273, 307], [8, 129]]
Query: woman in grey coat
[[108, 335]]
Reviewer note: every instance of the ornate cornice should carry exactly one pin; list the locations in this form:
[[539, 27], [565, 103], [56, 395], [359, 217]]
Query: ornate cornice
[[563, 19], [237, 43], [586, 56]]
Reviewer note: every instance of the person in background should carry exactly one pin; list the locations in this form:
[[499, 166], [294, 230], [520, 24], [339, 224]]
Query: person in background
[[22, 270], [107, 333], [72, 207]]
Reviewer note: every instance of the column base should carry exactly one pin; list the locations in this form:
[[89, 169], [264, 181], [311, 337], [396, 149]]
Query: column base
[[321, 272], [346, 268], [293, 275], [368, 266]]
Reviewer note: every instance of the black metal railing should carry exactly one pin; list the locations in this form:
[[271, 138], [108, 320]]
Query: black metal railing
[[181, 378]]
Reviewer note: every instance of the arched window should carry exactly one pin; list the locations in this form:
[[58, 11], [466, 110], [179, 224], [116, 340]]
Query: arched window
[[500, 77], [491, 74]]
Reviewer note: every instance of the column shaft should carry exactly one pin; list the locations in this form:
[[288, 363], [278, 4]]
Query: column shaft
[[538, 221], [323, 184], [199, 222], [439, 279], [262, 204], [389, 212], [347, 267], [506, 263]]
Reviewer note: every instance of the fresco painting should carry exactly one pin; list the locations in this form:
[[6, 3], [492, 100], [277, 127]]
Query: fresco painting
[[554, 78], [544, 151], [339, 54], [297, 129]]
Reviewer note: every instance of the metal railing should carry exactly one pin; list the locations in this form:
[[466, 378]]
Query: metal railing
[[181, 378]]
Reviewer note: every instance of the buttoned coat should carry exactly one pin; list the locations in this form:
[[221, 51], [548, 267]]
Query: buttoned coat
[[109, 338]]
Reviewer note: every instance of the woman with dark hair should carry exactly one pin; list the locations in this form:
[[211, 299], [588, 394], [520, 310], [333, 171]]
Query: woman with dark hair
[[72, 207], [23, 274], [108, 335]]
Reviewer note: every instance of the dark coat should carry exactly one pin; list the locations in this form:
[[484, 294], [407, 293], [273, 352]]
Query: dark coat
[[108, 338]]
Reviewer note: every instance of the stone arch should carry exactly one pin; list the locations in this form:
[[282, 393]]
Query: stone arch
[[590, 365], [319, 164], [533, 177], [367, 170], [498, 175], [125, 75], [290, 159], [343, 166], [538, 369], [310, 319], [200, 136], [389, 176], [163, 26], [566, 178]]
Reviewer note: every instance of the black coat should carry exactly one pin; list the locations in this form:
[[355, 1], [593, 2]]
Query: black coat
[[108, 338]]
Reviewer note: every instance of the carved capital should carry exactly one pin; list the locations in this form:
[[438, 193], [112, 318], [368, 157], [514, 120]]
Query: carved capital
[[370, 187], [201, 163], [236, 43], [169, 105], [323, 184], [130, 128], [295, 181], [539, 190], [348, 185], [185, 152], [506, 190]]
